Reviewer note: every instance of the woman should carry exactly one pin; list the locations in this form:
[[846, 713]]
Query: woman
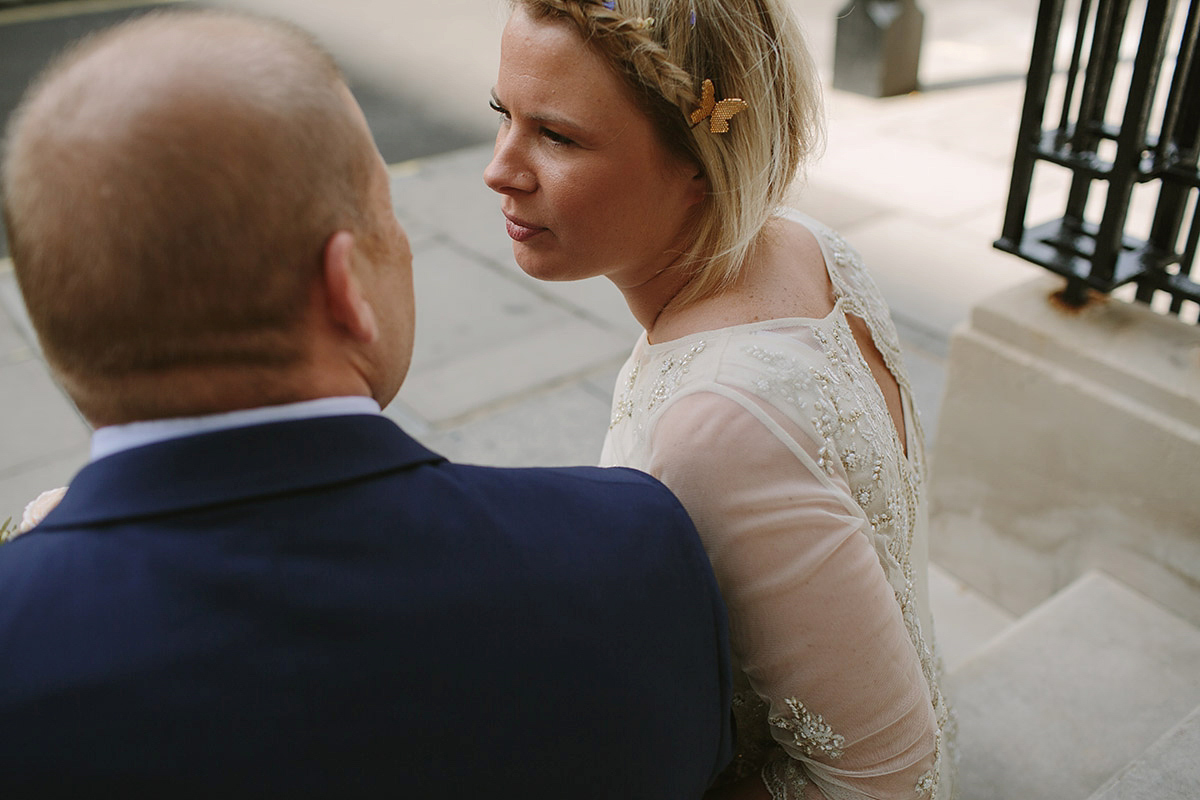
[[651, 141]]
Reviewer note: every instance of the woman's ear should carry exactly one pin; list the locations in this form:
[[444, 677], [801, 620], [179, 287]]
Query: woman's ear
[[698, 186], [347, 304]]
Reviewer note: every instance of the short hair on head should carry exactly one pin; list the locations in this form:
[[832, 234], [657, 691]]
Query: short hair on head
[[749, 49], [169, 185]]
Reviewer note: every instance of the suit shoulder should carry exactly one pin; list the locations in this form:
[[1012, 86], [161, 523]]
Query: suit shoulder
[[603, 485], [625, 504]]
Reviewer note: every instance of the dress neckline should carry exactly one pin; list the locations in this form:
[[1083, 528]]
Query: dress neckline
[[647, 347], [818, 232], [644, 349]]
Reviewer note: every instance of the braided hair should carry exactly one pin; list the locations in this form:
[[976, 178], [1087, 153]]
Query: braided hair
[[749, 49]]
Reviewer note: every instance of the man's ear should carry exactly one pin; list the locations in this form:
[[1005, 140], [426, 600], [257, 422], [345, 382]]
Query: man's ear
[[347, 303]]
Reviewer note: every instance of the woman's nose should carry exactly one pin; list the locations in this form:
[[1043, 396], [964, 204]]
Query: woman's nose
[[508, 172]]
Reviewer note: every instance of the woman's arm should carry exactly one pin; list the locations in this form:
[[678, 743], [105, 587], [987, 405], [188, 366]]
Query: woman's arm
[[814, 622]]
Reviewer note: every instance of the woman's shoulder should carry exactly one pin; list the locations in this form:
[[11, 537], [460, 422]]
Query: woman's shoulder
[[785, 278]]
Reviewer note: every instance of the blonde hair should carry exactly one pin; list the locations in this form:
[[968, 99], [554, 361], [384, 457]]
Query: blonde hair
[[749, 49]]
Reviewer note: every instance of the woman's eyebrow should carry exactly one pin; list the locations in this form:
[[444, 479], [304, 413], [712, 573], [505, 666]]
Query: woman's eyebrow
[[542, 118]]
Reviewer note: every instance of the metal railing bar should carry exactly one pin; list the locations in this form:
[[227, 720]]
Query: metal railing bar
[[1037, 87], [1085, 10], [1179, 124], [1130, 144], [1187, 261], [1180, 81], [1090, 247]]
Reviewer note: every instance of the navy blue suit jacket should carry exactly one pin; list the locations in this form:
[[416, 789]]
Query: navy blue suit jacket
[[325, 608]]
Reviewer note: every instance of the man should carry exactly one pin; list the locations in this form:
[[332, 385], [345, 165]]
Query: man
[[259, 585]]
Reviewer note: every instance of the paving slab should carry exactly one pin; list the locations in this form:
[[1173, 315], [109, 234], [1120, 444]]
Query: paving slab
[[1170, 770], [558, 427], [442, 55], [485, 335], [603, 384], [837, 206], [900, 173], [595, 299], [452, 390], [932, 276], [1047, 201], [965, 621], [464, 306], [12, 311], [37, 420], [979, 121], [972, 40], [1068, 696], [447, 194], [14, 346], [927, 375]]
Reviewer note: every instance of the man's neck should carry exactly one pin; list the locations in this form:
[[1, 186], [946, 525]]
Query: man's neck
[[115, 438], [212, 389]]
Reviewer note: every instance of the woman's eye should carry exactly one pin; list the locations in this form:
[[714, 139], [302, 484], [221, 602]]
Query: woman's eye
[[499, 109], [557, 138]]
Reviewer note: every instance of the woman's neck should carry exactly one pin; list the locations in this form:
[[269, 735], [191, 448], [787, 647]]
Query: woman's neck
[[653, 301]]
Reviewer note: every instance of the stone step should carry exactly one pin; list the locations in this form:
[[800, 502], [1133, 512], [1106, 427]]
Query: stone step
[[1170, 770], [1072, 693], [965, 621]]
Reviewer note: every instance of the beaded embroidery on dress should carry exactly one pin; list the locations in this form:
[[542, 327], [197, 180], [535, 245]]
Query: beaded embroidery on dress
[[805, 385]]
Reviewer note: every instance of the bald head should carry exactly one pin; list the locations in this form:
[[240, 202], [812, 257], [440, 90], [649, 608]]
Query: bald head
[[169, 186]]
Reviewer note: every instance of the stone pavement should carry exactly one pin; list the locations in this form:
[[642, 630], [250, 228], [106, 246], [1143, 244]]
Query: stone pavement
[[511, 371]]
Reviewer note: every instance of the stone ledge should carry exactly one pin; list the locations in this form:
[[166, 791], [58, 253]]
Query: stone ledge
[[1068, 441], [1126, 347]]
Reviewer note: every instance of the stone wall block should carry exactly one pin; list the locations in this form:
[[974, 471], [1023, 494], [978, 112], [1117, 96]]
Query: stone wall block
[[1066, 441]]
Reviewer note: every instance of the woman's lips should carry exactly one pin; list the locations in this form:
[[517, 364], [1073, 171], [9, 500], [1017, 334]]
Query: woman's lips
[[520, 231]]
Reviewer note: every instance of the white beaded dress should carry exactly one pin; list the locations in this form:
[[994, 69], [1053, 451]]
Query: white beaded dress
[[778, 441]]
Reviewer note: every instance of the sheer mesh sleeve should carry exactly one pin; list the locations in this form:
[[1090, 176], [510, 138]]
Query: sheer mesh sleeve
[[815, 624]]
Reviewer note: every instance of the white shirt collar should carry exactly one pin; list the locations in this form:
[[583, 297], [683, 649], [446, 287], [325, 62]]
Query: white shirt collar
[[115, 438]]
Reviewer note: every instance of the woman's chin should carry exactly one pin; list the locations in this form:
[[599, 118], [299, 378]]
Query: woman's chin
[[539, 267]]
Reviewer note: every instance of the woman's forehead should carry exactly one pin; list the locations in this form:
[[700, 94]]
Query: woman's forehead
[[547, 61]]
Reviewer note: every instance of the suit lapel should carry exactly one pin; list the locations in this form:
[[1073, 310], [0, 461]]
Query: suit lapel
[[237, 464]]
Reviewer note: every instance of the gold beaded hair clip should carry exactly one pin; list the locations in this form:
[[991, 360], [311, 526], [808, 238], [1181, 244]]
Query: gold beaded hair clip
[[718, 114]]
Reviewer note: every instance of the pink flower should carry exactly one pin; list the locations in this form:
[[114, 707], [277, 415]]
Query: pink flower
[[37, 510]]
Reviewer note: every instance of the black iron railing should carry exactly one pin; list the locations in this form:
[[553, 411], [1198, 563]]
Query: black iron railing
[[1127, 131]]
